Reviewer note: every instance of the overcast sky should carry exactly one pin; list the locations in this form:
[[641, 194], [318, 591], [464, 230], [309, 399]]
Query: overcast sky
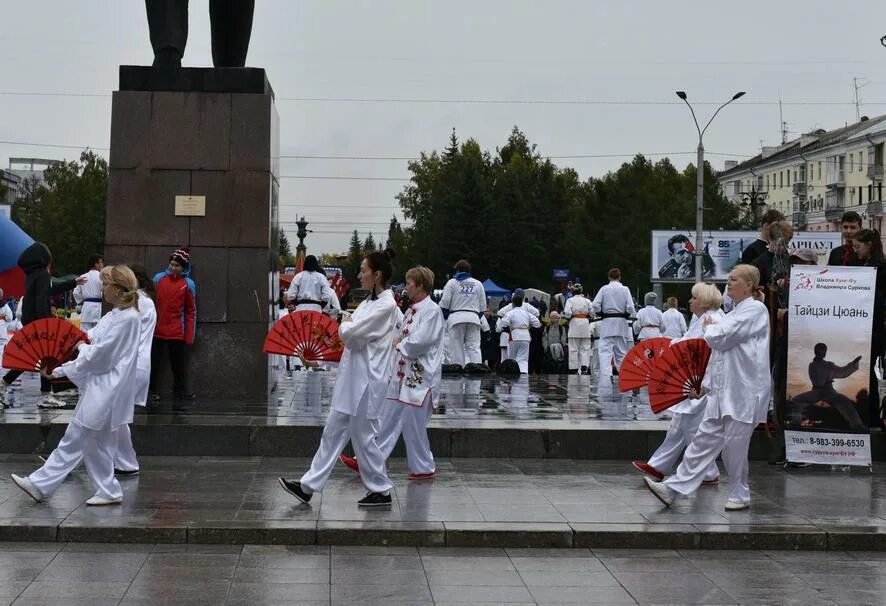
[[323, 55]]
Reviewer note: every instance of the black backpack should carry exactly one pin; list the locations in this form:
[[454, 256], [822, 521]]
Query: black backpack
[[508, 367]]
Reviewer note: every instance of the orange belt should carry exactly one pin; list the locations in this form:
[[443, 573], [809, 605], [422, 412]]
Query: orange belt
[[579, 316], [651, 326]]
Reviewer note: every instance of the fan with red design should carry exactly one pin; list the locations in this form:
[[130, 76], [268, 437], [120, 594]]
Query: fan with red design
[[44, 343], [677, 372], [310, 335], [640, 362]]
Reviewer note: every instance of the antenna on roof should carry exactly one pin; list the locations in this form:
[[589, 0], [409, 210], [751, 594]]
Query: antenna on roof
[[784, 125], [858, 84]]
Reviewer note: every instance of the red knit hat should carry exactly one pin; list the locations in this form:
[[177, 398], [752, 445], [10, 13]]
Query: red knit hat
[[182, 256]]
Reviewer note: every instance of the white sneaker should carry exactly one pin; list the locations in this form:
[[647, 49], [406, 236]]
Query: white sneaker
[[98, 501], [28, 487], [736, 505], [662, 493], [50, 401]]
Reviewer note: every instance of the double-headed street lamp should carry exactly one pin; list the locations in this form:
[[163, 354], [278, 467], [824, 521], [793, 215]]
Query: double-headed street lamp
[[699, 182]]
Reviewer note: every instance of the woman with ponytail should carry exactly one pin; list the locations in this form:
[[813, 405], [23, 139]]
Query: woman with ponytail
[[105, 371], [358, 397], [869, 248]]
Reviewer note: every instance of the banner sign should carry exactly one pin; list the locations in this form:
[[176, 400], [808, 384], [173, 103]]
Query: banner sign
[[830, 318], [561, 274], [673, 258]]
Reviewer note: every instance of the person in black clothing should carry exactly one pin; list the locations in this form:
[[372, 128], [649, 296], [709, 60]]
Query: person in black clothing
[[850, 224], [869, 248], [761, 244], [780, 234], [822, 374], [35, 261]]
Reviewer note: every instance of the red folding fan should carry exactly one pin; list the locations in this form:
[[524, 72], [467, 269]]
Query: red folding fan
[[309, 335], [44, 343], [639, 363], [679, 370]]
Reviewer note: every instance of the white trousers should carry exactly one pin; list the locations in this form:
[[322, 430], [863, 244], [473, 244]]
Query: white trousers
[[125, 458], [681, 430], [95, 448], [412, 422], [341, 427], [612, 348], [464, 344], [519, 352], [579, 352], [716, 435]]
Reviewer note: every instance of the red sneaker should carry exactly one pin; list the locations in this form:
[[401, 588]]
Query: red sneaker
[[423, 476], [714, 482], [350, 463], [648, 470]]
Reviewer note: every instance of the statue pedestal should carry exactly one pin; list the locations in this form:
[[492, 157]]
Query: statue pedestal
[[212, 133]]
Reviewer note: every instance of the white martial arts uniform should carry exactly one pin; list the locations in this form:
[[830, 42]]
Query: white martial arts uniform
[[105, 371], [520, 320], [415, 386], [6, 320], [615, 334], [578, 310], [359, 395], [310, 290], [463, 303], [89, 297], [648, 323], [126, 459], [687, 416], [739, 387], [673, 324]]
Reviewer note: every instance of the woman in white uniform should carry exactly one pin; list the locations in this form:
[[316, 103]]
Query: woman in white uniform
[[360, 389], [673, 324], [738, 386], [415, 385], [578, 310], [89, 294], [310, 288], [519, 320], [106, 373], [687, 415], [648, 322], [126, 462]]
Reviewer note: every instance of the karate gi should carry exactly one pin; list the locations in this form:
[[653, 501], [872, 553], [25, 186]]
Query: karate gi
[[578, 310], [687, 416], [519, 320], [739, 388], [463, 303], [673, 324], [6, 323], [126, 459], [89, 297], [106, 373], [504, 340], [616, 339], [359, 395], [648, 323], [414, 389], [310, 290]]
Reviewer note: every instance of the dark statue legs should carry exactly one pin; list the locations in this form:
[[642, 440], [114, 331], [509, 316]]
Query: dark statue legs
[[231, 24]]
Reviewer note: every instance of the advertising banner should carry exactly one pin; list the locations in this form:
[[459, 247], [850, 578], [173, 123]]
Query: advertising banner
[[829, 342], [673, 259]]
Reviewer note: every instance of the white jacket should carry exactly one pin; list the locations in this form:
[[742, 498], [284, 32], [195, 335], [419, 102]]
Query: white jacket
[[310, 286], [579, 328], [419, 354], [519, 320], [614, 298], [464, 300], [147, 322], [648, 323], [673, 324], [696, 331], [86, 294]]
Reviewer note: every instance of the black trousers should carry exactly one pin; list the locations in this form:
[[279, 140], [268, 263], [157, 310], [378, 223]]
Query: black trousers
[[177, 352], [12, 375]]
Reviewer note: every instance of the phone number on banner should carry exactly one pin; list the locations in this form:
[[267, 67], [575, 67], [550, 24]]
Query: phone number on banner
[[851, 443], [828, 448]]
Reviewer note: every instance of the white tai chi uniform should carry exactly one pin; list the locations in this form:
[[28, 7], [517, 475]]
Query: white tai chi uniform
[[310, 290], [578, 310], [126, 459], [463, 303], [687, 416], [648, 323], [739, 388], [614, 303], [6, 320], [106, 373], [359, 395], [519, 320], [415, 386], [673, 324], [89, 297], [505, 340]]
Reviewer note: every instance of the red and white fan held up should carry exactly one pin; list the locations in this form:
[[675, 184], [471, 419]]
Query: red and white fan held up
[[44, 343], [310, 335], [640, 362], [679, 370]]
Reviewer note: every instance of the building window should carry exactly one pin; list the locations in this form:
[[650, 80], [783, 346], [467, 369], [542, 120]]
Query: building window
[[861, 161], [780, 178], [819, 171], [789, 177]]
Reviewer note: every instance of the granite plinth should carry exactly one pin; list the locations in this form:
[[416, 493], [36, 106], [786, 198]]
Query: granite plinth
[[252, 80]]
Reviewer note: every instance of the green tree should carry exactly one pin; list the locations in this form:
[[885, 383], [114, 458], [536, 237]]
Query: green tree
[[355, 256], [369, 244]]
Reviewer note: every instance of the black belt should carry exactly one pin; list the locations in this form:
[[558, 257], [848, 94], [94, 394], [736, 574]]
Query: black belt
[[605, 314], [309, 302], [92, 300]]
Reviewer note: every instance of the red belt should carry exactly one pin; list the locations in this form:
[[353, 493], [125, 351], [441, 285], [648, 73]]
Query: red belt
[[579, 316]]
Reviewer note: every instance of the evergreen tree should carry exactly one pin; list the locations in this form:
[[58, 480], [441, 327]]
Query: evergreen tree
[[369, 244]]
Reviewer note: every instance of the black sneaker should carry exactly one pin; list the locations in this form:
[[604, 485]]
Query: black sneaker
[[125, 473], [294, 488], [375, 499]]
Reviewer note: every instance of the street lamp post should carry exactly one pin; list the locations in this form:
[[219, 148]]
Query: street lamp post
[[699, 181]]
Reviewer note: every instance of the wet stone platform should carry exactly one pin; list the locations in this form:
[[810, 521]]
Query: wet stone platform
[[472, 503]]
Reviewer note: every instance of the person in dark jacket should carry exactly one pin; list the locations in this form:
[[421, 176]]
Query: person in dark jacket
[[176, 301], [868, 247], [850, 225], [761, 244], [35, 261]]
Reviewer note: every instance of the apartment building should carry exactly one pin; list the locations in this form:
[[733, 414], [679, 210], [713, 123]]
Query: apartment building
[[815, 178]]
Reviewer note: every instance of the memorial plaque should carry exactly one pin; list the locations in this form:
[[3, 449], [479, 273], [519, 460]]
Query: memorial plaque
[[190, 206]]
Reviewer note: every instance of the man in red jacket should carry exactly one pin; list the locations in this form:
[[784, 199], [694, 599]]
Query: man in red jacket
[[176, 322]]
